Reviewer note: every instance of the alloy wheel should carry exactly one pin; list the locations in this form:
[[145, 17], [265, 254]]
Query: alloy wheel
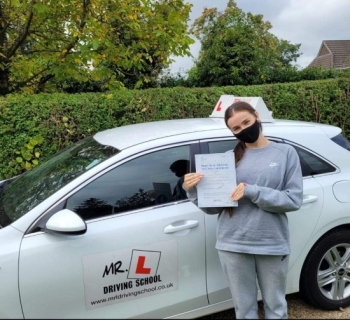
[[333, 275]]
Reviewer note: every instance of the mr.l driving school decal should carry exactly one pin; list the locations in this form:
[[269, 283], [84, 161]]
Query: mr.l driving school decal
[[127, 274]]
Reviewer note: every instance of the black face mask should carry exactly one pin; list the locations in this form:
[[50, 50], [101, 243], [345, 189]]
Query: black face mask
[[250, 134]]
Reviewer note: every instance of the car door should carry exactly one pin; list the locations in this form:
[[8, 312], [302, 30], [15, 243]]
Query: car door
[[301, 224], [143, 254]]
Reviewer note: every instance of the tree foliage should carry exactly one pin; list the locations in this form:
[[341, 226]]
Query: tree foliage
[[88, 40], [190, 79], [237, 48]]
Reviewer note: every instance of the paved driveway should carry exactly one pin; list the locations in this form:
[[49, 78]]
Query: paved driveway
[[298, 309]]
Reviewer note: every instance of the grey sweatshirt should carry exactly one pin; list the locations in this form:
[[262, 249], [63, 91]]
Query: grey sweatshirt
[[259, 224]]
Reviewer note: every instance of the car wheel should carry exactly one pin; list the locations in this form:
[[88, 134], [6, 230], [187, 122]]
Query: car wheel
[[325, 277]]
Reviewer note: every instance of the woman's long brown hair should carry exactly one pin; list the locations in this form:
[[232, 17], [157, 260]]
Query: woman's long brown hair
[[240, 147]]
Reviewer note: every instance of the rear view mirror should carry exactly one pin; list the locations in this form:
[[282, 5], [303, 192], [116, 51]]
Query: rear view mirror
[[65, 222]]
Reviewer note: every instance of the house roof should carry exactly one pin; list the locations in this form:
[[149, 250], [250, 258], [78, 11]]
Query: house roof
[[325, 61], [336, 56]]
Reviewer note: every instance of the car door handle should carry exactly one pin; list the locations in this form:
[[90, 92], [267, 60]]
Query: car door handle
[[188, 224], [309, 198]]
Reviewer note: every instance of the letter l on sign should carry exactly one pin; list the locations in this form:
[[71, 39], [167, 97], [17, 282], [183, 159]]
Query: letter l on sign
[[143, 263], [140, 268]]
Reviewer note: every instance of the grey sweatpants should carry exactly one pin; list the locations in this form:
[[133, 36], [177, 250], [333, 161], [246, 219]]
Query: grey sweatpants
[[242, 270]]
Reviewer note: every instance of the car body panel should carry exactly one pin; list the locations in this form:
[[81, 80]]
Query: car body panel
[[10, 241], [131, 135], [341, 191], [54, 263]]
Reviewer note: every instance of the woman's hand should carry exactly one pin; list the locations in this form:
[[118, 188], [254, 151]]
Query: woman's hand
[[191, 180], [238, 193]]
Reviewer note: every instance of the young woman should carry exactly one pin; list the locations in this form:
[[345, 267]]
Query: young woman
[[253, 238]]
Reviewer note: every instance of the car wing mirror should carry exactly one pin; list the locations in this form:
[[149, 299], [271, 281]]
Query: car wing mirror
[[65, 222]]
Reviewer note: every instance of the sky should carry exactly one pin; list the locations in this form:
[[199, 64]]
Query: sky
[[307, 22]]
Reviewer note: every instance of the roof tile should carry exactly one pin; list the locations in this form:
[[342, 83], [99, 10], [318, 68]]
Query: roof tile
[[341, 51], [324, 61], [338, 58]]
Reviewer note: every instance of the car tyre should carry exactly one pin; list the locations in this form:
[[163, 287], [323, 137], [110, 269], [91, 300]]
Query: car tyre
[[325, 277]]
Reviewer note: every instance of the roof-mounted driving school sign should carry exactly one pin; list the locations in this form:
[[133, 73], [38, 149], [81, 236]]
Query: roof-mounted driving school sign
[[256, 102]]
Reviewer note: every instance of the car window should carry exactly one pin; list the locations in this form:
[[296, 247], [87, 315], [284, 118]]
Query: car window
[[221, 146], [340, 140], [33, 187], [314, 164], [152, 179]]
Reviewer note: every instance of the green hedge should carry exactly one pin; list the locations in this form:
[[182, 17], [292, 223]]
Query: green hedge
[[62, 118]]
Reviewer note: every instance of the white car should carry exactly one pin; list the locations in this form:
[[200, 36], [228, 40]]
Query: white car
[[101, 229]]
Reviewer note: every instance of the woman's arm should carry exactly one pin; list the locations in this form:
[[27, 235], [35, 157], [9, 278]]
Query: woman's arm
[[280, 201]]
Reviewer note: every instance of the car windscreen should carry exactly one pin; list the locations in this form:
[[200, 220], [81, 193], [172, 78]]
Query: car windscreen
[[36, 185], [341, 141]]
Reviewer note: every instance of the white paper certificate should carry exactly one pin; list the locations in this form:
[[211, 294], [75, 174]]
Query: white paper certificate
[[218, 181]]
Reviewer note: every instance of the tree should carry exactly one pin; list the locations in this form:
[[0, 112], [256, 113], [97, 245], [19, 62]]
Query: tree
[[237, 48], [80, 39], [92, 208], [139, 200]]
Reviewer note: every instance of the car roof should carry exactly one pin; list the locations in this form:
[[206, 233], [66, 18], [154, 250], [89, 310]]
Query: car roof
[[127, 136]]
